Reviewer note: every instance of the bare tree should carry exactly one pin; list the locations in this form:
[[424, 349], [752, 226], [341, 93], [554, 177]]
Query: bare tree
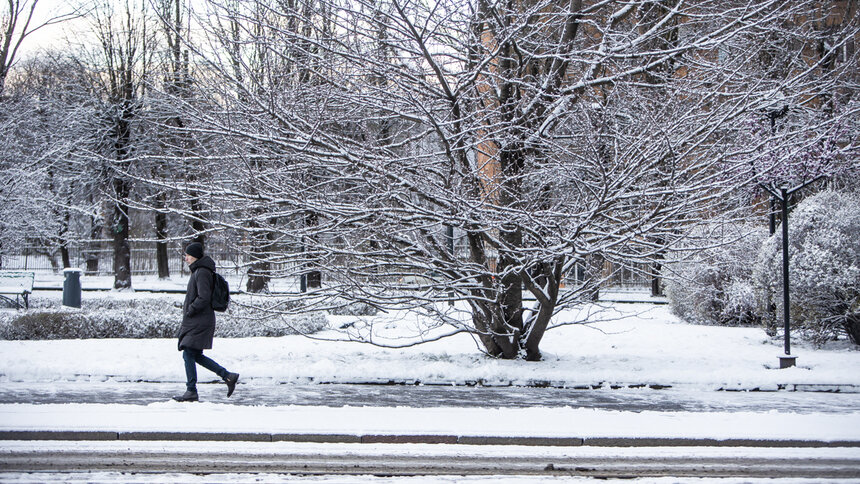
[[174, 139], [119, 71], [18, 21], [44, 132], [258, 66], [542, 136]]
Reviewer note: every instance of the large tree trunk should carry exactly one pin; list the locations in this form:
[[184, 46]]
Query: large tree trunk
[[64, 240], [52, 257], [197, 225], [482, 312], [511, 297], [119, 227], [121, 193], [656, 269], [94, 245], [511, 302], [258, 278], [852, 327], [544, 282], [594, 267], [161, 256], [259, 274], [64, 254], [489, 311]]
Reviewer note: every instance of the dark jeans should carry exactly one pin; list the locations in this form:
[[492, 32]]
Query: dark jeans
[[192, 357]]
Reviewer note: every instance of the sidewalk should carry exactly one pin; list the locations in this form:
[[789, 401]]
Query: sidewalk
[[622, 353]]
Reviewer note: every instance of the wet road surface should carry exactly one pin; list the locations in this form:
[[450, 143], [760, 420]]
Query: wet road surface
[[252, 392]]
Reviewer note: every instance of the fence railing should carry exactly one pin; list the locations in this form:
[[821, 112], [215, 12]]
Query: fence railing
[[631, 276], [144, 262], [143, 259]]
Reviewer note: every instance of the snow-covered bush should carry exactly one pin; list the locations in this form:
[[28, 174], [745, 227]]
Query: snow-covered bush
[[145, 318], [267, 316], [354, 309], [824, 267], [714, 285], [70, 324]]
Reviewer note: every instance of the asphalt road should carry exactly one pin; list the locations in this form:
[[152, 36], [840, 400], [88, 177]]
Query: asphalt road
[[254, 392], [430, 460]]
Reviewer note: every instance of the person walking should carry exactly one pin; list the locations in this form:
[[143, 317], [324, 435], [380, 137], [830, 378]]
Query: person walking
[[198, 324]]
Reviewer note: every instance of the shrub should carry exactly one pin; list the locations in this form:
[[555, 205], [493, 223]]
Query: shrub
[[824, 267], [268, 316], [354, 309], [715, 285], [107, 317]]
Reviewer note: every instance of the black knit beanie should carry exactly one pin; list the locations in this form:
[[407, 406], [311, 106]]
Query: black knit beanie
[[195, 249]]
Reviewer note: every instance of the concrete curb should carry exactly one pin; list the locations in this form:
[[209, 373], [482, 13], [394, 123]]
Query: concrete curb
[[74, 435], [535, 383]]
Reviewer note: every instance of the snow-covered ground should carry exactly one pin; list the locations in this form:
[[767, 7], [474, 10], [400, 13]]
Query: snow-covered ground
[[626, 345], [623, 344]]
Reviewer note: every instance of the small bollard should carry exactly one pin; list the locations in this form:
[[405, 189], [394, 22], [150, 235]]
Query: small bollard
[[72, 288]]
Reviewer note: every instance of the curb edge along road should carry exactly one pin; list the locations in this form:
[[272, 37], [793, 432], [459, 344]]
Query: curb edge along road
[[532, 383], [37, 435]]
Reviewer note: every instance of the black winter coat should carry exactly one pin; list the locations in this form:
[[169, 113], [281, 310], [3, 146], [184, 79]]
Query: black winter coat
[[198, 317]]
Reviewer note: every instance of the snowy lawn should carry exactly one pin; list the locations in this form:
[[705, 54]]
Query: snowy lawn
[[627, 344]]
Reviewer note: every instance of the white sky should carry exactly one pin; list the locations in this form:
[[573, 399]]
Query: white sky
[[54, 36]]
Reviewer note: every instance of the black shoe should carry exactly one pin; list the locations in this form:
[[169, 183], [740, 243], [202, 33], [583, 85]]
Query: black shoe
[[188, 396], [231, 380]]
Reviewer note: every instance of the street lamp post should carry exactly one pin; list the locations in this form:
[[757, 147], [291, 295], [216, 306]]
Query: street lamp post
[[783, 196], [776, 110], [787, 360]]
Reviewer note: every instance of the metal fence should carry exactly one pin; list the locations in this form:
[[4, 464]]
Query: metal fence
[[143, 259], [628, 276], [144, 262]]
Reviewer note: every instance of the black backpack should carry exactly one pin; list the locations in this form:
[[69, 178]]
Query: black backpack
[[220, 293]]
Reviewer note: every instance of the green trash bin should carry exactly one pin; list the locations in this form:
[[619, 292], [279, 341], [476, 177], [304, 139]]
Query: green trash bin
[[72, 288]]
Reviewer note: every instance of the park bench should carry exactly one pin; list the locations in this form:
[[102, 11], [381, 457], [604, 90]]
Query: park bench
[[18, 284]]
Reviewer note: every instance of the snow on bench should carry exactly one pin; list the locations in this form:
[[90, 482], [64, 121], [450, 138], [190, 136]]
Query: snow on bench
[[17, 283]]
